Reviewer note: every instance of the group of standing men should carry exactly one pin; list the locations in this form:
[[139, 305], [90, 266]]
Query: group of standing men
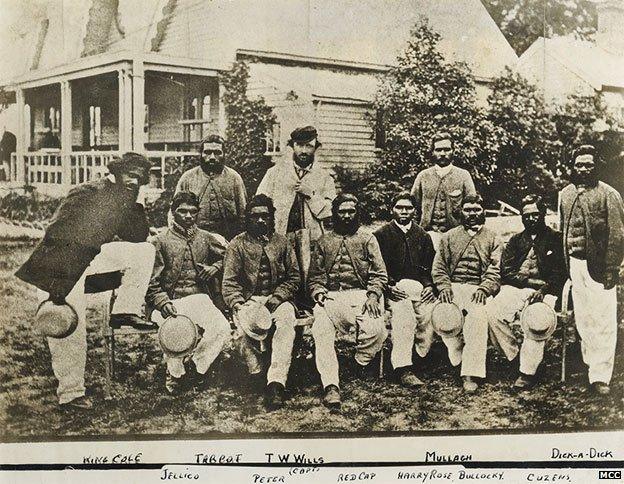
[[263, 260]]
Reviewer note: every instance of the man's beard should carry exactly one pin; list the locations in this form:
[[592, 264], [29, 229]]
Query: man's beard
[[261, 230], [403, 221], [346, 228], [303, 160], [212, 167], [535, 228], [588, 180], [472, 222]]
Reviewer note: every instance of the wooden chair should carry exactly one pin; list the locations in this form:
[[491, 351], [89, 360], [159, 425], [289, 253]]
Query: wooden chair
[[99, 283]]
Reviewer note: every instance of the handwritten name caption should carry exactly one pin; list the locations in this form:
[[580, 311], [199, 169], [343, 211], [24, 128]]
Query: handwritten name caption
[[115, 459], [218, 458], [591, 453], [186, 474], [293, 458], [434, 474]]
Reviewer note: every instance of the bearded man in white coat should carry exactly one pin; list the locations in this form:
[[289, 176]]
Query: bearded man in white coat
[[302, 192]]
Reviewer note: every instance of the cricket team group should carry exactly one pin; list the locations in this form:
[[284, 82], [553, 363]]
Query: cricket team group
[[258, 265]]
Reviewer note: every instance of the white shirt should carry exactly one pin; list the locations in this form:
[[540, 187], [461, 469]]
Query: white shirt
[[442, 171], [404, 228]]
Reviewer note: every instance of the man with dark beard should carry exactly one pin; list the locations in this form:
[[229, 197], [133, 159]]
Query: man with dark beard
[[219, 189], [187, 259], [440, 189], [259, 278], [347, 281], [592, 221], [302, 192], [408, 253], [466, 272], [532, 270]]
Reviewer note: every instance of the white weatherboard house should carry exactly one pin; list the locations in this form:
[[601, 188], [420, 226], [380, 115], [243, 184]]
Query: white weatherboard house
[[565, 65], [102, 77]]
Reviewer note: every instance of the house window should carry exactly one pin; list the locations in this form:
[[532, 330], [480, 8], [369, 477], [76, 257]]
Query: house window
[[146, 119], [272, 140], [95, 126], [53, 119]]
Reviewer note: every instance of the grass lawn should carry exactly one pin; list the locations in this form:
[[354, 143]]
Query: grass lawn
[[139, 405]]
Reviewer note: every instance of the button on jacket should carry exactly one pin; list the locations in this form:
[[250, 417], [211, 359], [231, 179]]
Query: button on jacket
[[414, 246], [451, 189], [222, 199], [241, 268], [603, 215], [365, 255], [550, 263], [175, 275]]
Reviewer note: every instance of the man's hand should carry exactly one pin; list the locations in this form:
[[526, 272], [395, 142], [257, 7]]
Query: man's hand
[[371, 306], [236, 307], [446, 295], [537, 296], [303, 189], [206, 273], [610, 280], [396, 294], [168, 310], [427, 295], [479, 296], [272, 303], [321, 297]]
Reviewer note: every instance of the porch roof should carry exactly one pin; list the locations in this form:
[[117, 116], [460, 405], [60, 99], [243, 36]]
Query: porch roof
[[110, 62]]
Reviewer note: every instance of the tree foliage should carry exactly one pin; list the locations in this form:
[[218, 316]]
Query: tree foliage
[[524, 21], [528, 145], [249, 119], [423, 94], [513, 145]]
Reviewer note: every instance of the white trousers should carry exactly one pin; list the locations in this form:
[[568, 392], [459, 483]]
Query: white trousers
[[504, 312], [281, 346], [411, 326], [340, 313], [200, 309], [595, 314], [69, 354], [470, 347]]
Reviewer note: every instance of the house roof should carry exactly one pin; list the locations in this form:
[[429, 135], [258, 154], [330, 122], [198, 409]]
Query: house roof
[[591, 63], [365, 31], [360, 30]]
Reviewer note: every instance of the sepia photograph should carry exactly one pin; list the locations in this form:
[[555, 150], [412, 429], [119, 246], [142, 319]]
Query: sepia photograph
[[310, 218]]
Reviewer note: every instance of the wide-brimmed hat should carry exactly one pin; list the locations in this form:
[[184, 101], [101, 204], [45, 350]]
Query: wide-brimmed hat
[[447, 319], [178, 336], [538, 321], [255, 320], [56, 320], [411, 287]]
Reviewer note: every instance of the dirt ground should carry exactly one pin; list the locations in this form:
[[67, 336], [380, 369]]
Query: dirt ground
[[139, 405]]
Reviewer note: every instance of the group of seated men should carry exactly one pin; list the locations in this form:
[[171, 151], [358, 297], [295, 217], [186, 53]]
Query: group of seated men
[[275, 255]]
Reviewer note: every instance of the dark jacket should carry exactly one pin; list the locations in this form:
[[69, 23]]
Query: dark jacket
[[550, 262], [168, 278], [603, 214], [392, 244], [363, 250], [91, 215], [242, 265]]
